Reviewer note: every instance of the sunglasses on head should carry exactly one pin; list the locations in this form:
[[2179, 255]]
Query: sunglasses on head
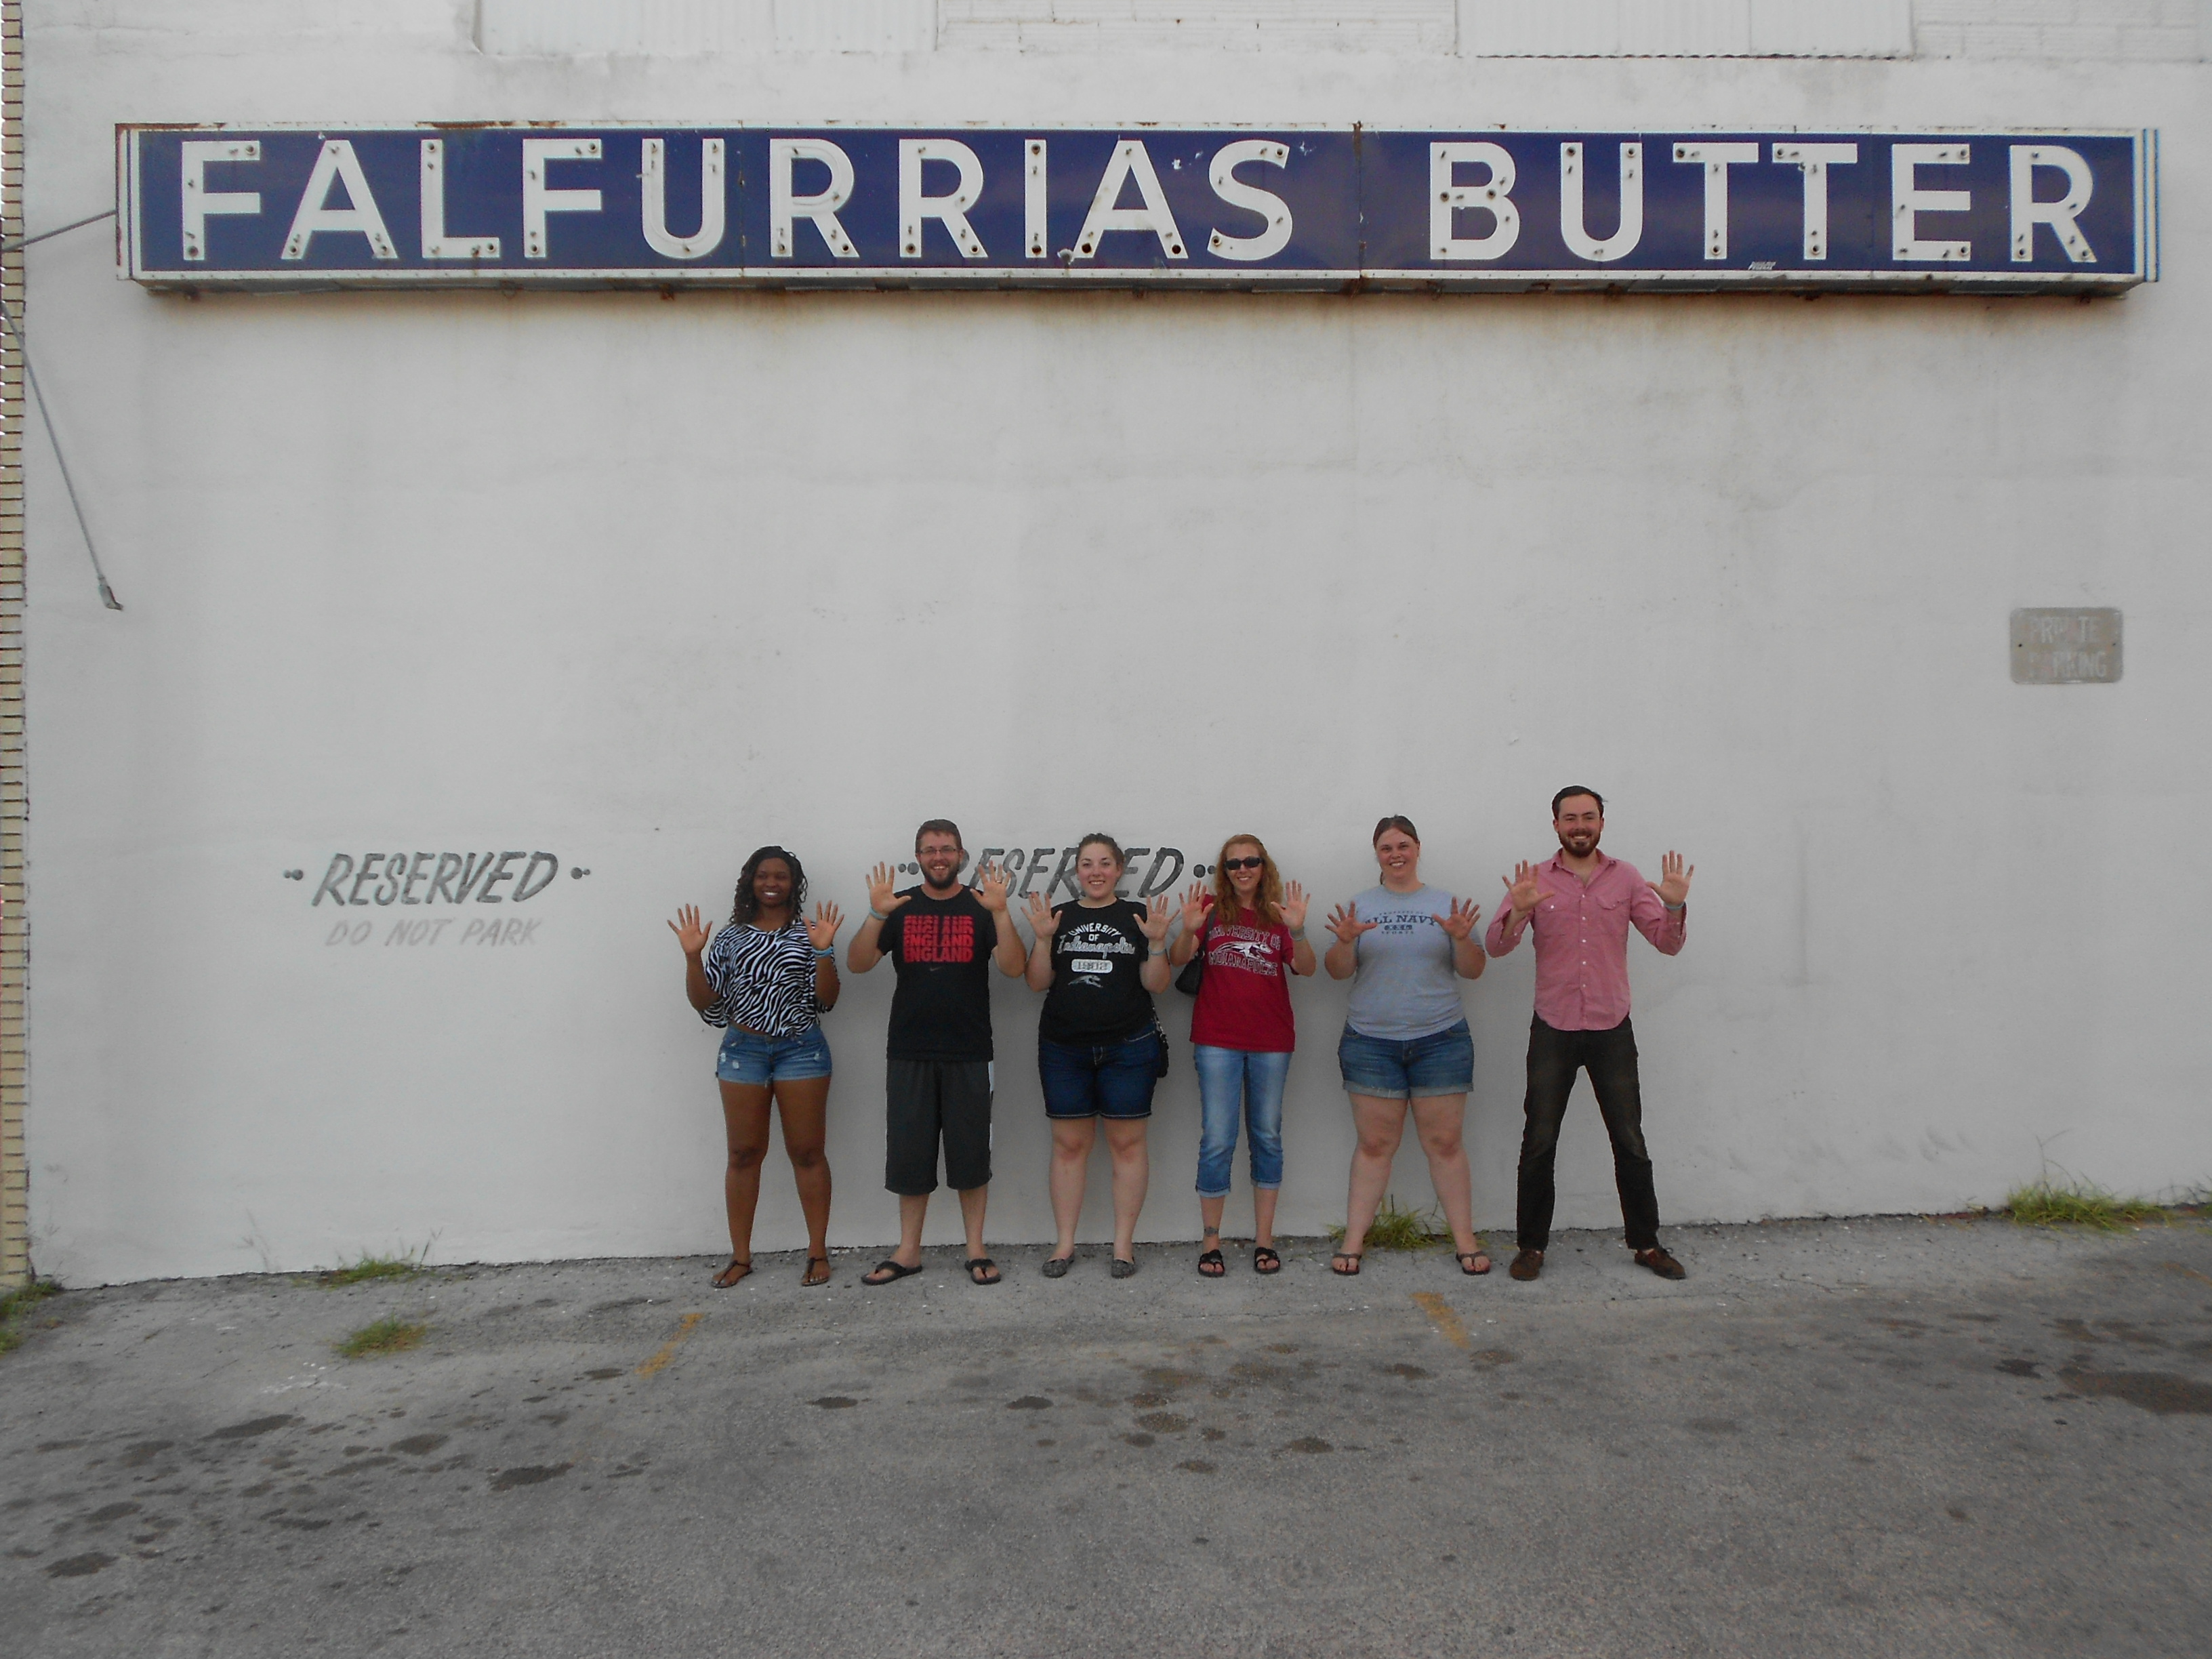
[[1243, 864]]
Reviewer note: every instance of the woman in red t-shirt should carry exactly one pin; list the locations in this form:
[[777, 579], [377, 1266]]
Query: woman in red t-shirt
[[1251, 928]]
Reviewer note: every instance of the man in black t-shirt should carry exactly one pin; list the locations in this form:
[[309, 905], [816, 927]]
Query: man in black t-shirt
[[941, 937]]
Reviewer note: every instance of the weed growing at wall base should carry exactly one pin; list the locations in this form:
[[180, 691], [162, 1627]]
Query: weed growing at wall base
[[385, 1336], [1400, 1228], [2047, 1203], [15, 1306], [369, 1268]]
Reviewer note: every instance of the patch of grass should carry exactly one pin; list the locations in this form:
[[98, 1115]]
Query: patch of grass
[[15, 1305], [1400, 1228], [385, 1336], [2074, 1202], [369, 1268]]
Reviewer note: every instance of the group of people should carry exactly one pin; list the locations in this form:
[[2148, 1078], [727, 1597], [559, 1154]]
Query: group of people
[[769, 975]]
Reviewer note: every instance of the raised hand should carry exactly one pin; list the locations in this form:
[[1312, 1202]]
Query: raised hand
[[1043, 922], [882, 891], [822, 930], [991, 886], [1460, 922], [1674, 884], [689, 931], [1294, 906], [1524, 890], [1195, 904], [1344, 921], [1155, 921]]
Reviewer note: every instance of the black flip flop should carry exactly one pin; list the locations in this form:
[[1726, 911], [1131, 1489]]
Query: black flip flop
[[984, 1261], [1211, 1259], [898, 1270], [1265, 1261]]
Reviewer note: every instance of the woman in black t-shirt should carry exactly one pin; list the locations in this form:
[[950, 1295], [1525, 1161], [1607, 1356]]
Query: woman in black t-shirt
[[1098, 960]]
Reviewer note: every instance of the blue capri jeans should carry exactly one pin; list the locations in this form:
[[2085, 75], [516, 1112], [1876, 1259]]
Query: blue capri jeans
[[1235, 1084]]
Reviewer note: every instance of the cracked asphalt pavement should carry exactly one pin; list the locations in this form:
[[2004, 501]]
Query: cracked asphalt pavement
[[1900, 1437]]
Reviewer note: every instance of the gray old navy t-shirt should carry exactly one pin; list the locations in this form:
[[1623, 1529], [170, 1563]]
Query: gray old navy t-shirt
[[1405, 988]]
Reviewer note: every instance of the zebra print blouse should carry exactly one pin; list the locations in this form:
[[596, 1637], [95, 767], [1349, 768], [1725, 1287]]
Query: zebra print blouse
[[764, 982]]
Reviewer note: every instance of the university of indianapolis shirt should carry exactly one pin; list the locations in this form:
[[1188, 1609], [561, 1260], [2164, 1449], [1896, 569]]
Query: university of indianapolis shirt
[[1096, 995]]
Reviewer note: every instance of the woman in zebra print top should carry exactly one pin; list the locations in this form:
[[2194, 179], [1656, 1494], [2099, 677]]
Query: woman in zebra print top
[[767, 978]]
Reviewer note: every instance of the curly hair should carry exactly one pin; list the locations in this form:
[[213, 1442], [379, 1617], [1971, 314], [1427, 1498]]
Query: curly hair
[[1268, 898], [746, 903]]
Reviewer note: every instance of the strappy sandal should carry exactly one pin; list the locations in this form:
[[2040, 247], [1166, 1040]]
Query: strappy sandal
[[1210, 1263], [1466, 1256], [737, 1273], [888, 1272], [978, 1264], [1336, 1265], [807, 1278], [1265, 1261]]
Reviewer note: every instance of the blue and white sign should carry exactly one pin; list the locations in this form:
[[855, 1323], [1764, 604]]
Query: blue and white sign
[[1239, 207]]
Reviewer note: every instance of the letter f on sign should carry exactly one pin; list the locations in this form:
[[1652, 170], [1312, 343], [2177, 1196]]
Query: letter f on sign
[[199, 203]]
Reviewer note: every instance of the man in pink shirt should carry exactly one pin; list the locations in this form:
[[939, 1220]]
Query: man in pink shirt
[[1581, 905]]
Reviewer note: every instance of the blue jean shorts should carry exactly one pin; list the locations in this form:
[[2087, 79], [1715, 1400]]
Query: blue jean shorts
[[1111, 1079], [750, 1058], [1407, 1068]]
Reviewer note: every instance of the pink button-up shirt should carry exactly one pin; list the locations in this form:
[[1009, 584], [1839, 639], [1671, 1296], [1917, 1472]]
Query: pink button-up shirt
[[1582, 940]]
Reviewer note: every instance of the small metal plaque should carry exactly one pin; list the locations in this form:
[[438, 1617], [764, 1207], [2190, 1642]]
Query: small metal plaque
[[2065, 646]]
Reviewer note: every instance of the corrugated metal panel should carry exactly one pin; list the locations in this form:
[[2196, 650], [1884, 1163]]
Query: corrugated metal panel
[[1402, 26], [1686, 28], [680, 28]]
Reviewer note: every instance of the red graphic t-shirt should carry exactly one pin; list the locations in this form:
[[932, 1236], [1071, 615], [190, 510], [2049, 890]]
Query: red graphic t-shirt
[[1245, 1000]]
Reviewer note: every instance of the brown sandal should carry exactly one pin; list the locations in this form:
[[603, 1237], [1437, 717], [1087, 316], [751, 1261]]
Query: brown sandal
[[808, 1279], [1336, 1265], [1466, 1256], [734, 1273]]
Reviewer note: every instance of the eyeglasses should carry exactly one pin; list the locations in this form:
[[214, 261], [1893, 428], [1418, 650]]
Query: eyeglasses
[[1243, 864]]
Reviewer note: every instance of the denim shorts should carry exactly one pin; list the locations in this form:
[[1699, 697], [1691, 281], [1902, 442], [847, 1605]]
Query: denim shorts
[[1107, 1079], [1407, 1068], [757, 1060]]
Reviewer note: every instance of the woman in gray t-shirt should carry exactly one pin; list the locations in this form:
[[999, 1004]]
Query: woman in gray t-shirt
[[1405, 947]]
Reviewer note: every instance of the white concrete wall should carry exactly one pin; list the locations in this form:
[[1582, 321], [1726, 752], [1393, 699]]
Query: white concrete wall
[[645, 583]]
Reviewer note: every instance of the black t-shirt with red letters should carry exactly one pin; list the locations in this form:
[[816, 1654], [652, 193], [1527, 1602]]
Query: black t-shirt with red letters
[[941, 949]]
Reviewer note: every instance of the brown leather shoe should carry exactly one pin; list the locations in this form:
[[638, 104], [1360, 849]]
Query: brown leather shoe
[[1527, 1265], [1660, 1263]]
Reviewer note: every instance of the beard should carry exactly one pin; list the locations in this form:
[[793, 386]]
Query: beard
[[930, 878], [1580, 842]]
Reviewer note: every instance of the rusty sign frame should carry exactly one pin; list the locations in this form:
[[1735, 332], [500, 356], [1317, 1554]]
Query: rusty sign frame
[[1385, 170]]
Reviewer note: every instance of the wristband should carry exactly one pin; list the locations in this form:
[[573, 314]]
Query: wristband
[[1678, 907], [829, 955], [876, 915], [1298, 933]]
